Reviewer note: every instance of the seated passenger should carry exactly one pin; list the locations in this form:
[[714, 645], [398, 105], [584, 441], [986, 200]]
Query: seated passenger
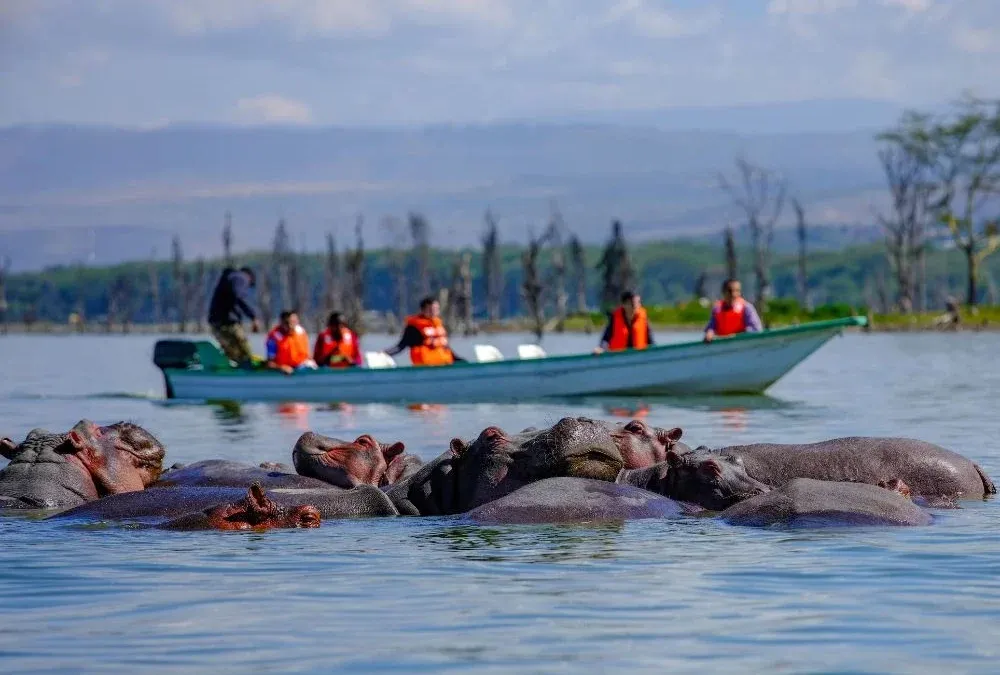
[[337, 346], [732, 314], [426, 337], [288, 345]]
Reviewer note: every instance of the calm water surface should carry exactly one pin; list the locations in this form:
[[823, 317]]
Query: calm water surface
[[412, 595]]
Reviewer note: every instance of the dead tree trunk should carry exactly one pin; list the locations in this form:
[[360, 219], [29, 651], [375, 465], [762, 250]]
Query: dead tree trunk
[[265, 295], [333, 295], [420, 232], [180, 283], [492, 269], [356, 280], [617, 272], [4, 270], [227, 241], [531, 287], [578, 264], [802, 278], [156, 309], [557, 277], [199, 294], [732, 265]]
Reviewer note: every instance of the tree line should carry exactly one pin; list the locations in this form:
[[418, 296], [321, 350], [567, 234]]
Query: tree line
[[941, 172]]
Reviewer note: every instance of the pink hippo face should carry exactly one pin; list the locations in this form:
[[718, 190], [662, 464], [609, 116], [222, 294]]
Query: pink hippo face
[[342, 463], [255, 512], [121, 457], [642, 445]]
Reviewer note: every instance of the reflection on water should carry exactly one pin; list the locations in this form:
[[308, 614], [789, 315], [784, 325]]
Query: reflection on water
[[427, 594]]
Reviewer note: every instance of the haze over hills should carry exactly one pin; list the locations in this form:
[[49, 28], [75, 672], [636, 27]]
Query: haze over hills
[[100, 195]]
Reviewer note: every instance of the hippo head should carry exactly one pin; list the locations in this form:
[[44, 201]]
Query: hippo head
[[642, 445], [257, 511], [8, 448], [896, 485], [400, 467], [496, 464], [344, 464], [122, 457], [711, 480]]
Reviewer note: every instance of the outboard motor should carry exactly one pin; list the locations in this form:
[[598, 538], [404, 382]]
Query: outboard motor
[[178, 354]]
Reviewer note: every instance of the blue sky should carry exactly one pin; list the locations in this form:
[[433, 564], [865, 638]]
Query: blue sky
[[148, 63]]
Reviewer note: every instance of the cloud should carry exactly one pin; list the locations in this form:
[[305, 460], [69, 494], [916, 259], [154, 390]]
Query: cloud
[[273, 109], [976, 40], [914, 6], [654, 22], [779, 7]]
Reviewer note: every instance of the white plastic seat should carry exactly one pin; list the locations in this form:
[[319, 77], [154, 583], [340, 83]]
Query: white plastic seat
[[486, 353], [530, 352], [379, 360]]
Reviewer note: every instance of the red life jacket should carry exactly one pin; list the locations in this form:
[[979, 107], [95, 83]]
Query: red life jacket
[[293, 350], [729, 321], [619, 330], [434, 351], [345, 345]]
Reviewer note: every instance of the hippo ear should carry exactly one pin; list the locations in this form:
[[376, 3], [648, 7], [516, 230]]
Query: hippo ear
[[458, 447], [669, 437], [390, 451], [674, 459], [710, 468], [8, 448], [77, 440]]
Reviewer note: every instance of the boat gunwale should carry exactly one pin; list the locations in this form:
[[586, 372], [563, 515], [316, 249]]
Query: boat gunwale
[[814, 326]]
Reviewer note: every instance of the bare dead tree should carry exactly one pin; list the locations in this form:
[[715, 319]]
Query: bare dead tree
[[180, 285], [761, 196], [420, 232], [333, 295], [4, 271], [459, 297], [227, 241], [556, 281], [396, 258], [532, 289], [153, 270], [617, 272], [281, 255], [198, 289], [265, 294], [700, 285], [802, 277], [906, 222], [356, 280], [578, 264], [732, 266], [492, 269]]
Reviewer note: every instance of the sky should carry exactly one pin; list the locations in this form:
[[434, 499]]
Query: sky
[[151, 63]]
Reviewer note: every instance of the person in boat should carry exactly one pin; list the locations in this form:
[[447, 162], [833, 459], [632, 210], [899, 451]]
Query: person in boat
[[628, 326], [426, 338], [337, 346], [288, 345], [732, 314], [229, 307]]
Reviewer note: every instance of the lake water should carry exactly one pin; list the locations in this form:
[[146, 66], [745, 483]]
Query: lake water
[[411, 595]]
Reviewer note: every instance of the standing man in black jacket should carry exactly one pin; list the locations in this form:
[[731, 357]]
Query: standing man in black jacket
[[230, 305]]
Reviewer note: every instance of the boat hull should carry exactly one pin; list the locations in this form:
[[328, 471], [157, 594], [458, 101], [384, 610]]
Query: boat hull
[[748, 363]]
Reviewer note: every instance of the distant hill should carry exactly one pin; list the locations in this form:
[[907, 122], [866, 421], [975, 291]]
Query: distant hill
[[68, 193]]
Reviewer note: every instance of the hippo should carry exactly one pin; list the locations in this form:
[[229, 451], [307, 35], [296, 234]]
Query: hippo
[[714, 482], [642, 445], [805, 502], [223, 473], [930, 470], [254, 512], [52, 470], [344, 464], [171, 502], [495, 464], [560, 500], [401, 467]]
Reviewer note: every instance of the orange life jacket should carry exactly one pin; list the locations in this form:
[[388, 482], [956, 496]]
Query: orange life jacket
[[434, 351], [729, 321], [345, 345], [619, 330], [293, 350]]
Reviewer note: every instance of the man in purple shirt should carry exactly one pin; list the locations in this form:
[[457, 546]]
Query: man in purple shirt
[[732, 314]]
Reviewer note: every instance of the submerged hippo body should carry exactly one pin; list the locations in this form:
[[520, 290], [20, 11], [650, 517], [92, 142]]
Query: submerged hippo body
[[804, 502], [560, 500], [171, 502], [256, 511], [223, 473], [929, 470], [60, 470], [495, 464]]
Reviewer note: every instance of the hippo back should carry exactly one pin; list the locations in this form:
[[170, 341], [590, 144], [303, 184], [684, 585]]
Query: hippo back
[[40, 474], [224, 473], [928, 469]]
